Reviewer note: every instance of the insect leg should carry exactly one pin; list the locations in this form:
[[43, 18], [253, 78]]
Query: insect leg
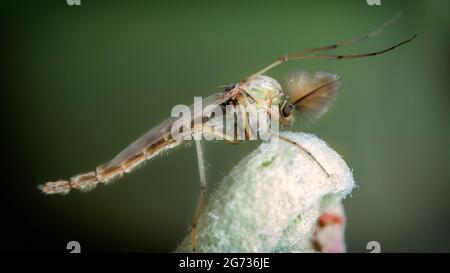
[[202, 175], [302, 56], [356, 39], [201, 196], [243, 120], [220, 135], [303, 149], [305, 53]]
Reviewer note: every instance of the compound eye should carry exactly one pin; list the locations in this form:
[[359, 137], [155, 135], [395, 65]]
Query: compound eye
[[287, 109]]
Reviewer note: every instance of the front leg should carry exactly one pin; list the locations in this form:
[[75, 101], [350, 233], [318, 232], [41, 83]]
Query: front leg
[[201, 196], [202, 175]]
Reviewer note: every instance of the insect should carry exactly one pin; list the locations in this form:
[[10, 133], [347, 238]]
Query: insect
[[310, 95]]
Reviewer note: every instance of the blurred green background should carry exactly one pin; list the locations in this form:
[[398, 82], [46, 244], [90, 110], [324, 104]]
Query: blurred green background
[[84, 81]]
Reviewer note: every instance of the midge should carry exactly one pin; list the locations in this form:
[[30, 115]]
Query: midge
[[310, 95]]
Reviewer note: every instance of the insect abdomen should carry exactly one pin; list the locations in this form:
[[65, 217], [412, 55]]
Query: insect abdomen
[[104, 174]]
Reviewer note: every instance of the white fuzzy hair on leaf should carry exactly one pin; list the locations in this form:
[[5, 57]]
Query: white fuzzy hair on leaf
[[271, 200]]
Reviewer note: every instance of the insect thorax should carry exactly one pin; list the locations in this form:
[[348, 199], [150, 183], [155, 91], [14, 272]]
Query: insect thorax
[[265, 89]]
